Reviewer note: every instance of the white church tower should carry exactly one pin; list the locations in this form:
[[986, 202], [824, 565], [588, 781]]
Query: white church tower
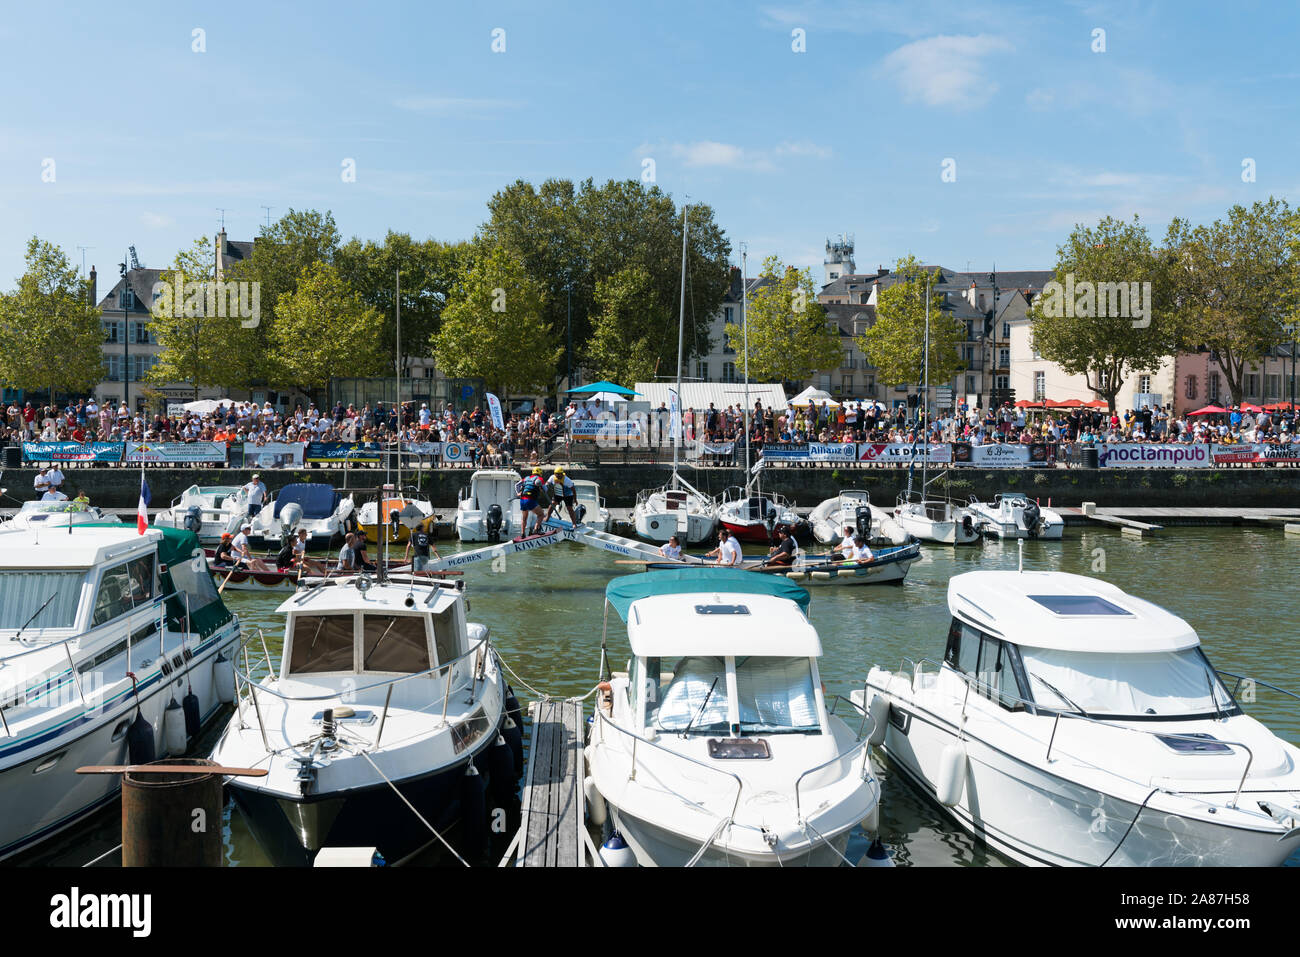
[[839, 258]]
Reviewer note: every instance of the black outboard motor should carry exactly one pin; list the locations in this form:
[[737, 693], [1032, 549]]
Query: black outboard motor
[[862, 519], [967, 525], [193, 519], [494, 520], [1033, 516], [581, 512], [769, 519]]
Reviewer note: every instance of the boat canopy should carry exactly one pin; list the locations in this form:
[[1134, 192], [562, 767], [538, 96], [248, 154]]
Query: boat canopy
[[622, 591], [317, 499]]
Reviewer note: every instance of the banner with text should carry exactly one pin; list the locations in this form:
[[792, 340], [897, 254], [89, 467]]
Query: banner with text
[[605, 428], [273, 455], [811, 452], [901, 453], [999, 455], [1118, 455], [354, 453], [72, 451], [171, 453], [458, 451], [1259, 453]]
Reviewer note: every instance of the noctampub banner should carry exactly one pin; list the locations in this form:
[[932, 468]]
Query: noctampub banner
[[72, 451], [164, 453], [1154, 455]]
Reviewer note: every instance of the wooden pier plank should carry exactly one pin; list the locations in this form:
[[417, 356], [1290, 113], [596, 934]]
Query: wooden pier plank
[[553, 802]]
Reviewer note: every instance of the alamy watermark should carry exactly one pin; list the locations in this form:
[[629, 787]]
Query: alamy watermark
[[208, 299], [1101, 300]]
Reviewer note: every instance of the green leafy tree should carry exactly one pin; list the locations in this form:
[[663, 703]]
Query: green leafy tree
[[1236, 284], [624, 344], [323, 329], [50, 332], [1081, 321], [495, 328], [895, 343], [788, 335], [203, 338]]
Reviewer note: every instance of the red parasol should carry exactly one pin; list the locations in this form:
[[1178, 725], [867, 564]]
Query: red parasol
[[1209, 410]]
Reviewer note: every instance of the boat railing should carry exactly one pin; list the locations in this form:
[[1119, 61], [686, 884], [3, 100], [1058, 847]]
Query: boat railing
[[252, 686], [861, 741], [1036, 708], [1253, 683]]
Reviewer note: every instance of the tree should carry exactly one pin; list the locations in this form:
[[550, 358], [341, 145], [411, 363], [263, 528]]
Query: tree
[[788, 335], [323, 329], [50, 332], [203, 339], [1109, 311], [625, 346], [494, 328], [895, 343], [1236, 284]]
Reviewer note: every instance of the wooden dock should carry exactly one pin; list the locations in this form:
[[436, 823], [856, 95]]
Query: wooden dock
[[552, 829], [1140, 520]]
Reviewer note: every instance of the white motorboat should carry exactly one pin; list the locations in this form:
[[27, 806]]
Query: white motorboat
[[594, 512], [936, 520], [1071, 723], [207, 512], [315, 506], [834, 515], [38, 515], [676, 509], [719, 745], [488, 510], [381, 686], [376, 517], [1016, 515], [118, 650]]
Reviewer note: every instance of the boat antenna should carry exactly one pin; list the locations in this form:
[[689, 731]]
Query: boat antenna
[[744, 328], [676, 424]]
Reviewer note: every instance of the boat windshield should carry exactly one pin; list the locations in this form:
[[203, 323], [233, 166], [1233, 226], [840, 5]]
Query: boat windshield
[[1155, 685], [54, 594], [774, 695]]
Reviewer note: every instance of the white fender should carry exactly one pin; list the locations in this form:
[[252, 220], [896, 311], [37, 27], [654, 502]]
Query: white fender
[[223, 678], [879, 713], [952, 775], [871, 823], [596, 809], [174, 728]]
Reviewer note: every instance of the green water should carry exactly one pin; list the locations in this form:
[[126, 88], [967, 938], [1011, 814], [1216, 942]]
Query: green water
[[545, 611]]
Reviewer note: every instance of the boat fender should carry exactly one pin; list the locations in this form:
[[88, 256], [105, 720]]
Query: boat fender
[[952, 775], [140, 746], [501, 769], [514, 736], [877, 856], [174, 728], [822, 576], [513, 711], [193, 719], [473, 811], [223, 678], [596, 810], [871, 823], [616, 853], [878, 711], [796, 576]]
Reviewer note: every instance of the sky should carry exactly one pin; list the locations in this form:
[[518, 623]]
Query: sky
[[971, 134]]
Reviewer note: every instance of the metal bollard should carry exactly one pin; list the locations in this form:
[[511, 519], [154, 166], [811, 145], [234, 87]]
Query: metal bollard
[[172, 819]]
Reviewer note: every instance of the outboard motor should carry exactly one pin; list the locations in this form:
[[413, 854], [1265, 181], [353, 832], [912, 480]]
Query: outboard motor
[[967, 525], [290, 516], [769, 519], [193, 521], [581, 512], [862, 520], [1033, 516], [494, 520]]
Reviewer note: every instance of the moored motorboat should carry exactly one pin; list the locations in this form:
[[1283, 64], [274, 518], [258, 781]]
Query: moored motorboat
[[118, 650], [488, 509], [936, 520], [383, 687], [719, 746], [207, 512], [1016, 515], [38, 515], [315, 506], [594, 512], [833, 515], [376, 517], [753, 515], [1071, 723]]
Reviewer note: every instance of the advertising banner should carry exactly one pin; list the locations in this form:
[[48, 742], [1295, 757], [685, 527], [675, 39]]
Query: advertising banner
[[354, 453], [431, 449], [903, 453], [457, 451], [72, 451], [605, 428], [164, 453], [1154, 456], [1004, 455], [811, 452], [1259, 453], [273, 455]]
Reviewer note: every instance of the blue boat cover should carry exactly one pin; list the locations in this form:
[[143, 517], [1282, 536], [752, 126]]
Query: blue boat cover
[[318, 500], [624, 590]]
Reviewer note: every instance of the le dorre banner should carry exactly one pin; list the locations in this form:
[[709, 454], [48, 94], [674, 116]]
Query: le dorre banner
[[902, 453]]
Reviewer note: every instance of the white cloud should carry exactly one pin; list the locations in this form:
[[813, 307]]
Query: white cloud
[[705, 153], [709, 153], [945, 71], [454, 104], [155, 220], [803, 148], [1040, 99]]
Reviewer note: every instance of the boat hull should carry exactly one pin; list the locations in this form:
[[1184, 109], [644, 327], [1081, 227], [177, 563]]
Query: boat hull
[[660, 526], [655, 846]]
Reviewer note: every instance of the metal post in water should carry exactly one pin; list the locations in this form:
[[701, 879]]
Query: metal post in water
[[172, 819]]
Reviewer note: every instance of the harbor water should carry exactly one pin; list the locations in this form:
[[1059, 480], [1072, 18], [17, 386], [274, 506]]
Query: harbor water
[[545, 610]]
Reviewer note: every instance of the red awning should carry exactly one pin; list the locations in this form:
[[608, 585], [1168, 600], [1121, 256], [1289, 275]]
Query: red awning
[[1209, 410]]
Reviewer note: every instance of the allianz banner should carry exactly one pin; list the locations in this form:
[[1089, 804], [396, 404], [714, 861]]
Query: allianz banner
[[811, 452], [162, 453], [353, 453], [72, 451], [1154, 455], [903, 453], [999, 455]]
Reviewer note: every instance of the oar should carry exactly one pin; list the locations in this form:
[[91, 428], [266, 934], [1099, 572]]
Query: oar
[[170, 769], [228, 574]]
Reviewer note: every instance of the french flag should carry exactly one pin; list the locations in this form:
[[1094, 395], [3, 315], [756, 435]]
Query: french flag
[[141, 512]]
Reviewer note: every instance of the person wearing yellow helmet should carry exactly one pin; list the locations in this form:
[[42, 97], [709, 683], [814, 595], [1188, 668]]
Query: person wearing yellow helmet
[[563, 491], [531, 490]]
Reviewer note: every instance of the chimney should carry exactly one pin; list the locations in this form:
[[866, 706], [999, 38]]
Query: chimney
[[94, 282], [221, 253]]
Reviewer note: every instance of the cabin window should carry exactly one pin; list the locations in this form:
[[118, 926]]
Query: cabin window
[[22, 593], [445, 640], [990, 661], [191, 579], [394, 643], [321, 643], [123, 588], [695, 698], [776, 695]]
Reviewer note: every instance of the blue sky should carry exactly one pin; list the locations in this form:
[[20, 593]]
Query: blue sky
[[149, 138]]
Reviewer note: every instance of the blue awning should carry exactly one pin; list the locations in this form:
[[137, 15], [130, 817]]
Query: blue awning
[[317, 499], [622, 591], [603, 387]]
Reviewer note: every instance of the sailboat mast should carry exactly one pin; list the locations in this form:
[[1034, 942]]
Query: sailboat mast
[[681, 326], [744, 326], [925, 398], [399, 382]]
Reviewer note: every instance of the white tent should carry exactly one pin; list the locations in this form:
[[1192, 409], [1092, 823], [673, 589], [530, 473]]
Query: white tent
[[206, 406], [811, 396]]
